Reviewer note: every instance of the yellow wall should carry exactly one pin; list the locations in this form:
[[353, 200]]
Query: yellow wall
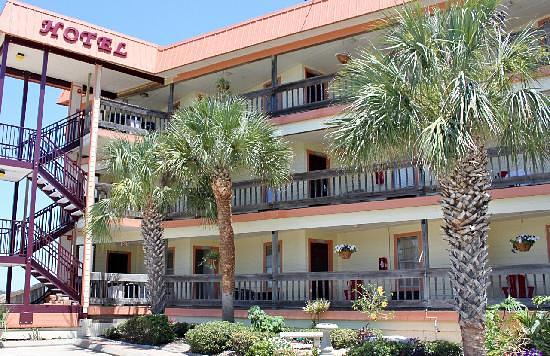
[[372, 243]]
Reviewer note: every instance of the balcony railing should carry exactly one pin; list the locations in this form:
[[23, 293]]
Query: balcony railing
[[338, 186], [292, 97], [404, 288], [119, 116]]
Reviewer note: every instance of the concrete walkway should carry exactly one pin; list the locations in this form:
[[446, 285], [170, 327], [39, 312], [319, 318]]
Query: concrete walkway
[[89, 347]]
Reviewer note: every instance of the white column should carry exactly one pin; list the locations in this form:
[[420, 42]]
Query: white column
[[90, 191]]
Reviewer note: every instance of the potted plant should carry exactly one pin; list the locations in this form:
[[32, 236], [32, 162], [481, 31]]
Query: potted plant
[[523, 242], [345, 250], [315, 308], [211, 259]]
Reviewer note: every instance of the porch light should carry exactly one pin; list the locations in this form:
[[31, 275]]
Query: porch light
[[20, 56], [2, 172], [343, 57]]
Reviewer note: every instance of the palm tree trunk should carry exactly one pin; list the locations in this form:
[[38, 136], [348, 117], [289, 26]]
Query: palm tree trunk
[[222, 189], [465, 201], [154, 251]]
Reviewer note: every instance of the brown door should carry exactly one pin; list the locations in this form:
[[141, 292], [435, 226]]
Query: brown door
[[118, 262], [319, 259], [317, 187], [407, 256], [203, 290]]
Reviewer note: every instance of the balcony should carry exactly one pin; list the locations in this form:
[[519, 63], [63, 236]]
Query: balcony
[[406, 288], [303, 95], [339, 186], [132, 119]]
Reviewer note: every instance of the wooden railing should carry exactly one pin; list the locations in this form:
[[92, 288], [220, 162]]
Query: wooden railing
[[291, 97], [129, 118], [404, 288], [338, 186]]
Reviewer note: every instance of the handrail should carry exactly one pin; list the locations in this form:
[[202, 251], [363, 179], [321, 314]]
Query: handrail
[[16, 142], [130, 118], [66, 133]]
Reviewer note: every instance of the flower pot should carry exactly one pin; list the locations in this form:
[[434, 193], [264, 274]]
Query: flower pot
[[522, 246], [346, 255]]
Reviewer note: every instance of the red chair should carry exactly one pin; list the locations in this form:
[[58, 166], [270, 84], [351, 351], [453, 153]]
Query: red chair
[[353, 287], [518, 287]]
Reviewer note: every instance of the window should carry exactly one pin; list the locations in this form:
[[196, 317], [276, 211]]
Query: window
[[268, 252], [170, 257]]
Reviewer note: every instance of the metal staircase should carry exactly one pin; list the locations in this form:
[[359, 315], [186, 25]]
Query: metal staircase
[[62, 179]]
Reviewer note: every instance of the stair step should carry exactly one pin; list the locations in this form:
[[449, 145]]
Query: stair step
[[48, 187], [56, 194], [77, 213], [41, 181], [70, 207], [63, 201]]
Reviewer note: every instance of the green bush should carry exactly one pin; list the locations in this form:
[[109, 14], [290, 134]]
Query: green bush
[[212, 337], [180, 329], [261, 348], [381, 347], [344, 338], [263, 322], [112, 333], [147, 329], [241, 341], [442, 348]]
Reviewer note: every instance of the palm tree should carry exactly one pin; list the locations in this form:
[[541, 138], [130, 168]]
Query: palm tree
[[444, 85], [214, 139], [139, 186]]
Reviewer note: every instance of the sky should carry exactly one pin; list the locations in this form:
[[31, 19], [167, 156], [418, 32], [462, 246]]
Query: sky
[[162, 22]]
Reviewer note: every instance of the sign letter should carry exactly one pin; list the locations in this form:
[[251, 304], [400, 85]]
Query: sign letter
[[121, 50], [87, 37], [70, 34], [48, 26], [104, 44]]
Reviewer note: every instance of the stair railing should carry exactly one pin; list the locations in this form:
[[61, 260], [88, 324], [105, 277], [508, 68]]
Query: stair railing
[[65, 134]]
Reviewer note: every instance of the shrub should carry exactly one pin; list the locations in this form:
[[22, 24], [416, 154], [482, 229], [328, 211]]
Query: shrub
[[442, 348], [263, 322], [180, 329], [271, 347], [344, 338], [147, 329], [241, 341], [112, 333], [212, 337], [381, 347]]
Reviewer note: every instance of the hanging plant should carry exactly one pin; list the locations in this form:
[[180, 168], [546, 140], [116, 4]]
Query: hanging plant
[[211, 259], [345, 250], [523, 242]]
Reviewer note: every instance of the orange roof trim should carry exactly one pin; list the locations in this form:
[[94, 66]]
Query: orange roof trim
[[22, 20]]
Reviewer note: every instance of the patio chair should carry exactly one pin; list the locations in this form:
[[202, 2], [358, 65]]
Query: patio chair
[[518, 287]]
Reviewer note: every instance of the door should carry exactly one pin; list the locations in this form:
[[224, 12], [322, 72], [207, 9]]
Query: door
[[317, 187], [320, 261], [118, 262], [408, 249], [203, 290]]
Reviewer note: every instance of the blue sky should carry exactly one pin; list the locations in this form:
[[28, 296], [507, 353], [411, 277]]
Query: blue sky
[[162, 22]]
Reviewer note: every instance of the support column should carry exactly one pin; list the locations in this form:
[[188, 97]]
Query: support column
[[90, 191], [273, 83], [16, 185], [34, 184], [426, 258], [3, 67], [275, 266], [171, 99]]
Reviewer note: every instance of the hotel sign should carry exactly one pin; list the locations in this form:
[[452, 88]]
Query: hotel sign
[[88, 39]]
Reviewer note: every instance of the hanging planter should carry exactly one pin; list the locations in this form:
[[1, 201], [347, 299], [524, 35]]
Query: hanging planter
[[523, 243], [211, 259], [345, 251]]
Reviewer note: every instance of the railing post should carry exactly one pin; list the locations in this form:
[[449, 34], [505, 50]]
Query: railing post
[[426, 257], [273, 107], [275, 267]]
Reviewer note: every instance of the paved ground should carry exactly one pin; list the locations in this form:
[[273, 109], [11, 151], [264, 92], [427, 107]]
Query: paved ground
[[55, 350]]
